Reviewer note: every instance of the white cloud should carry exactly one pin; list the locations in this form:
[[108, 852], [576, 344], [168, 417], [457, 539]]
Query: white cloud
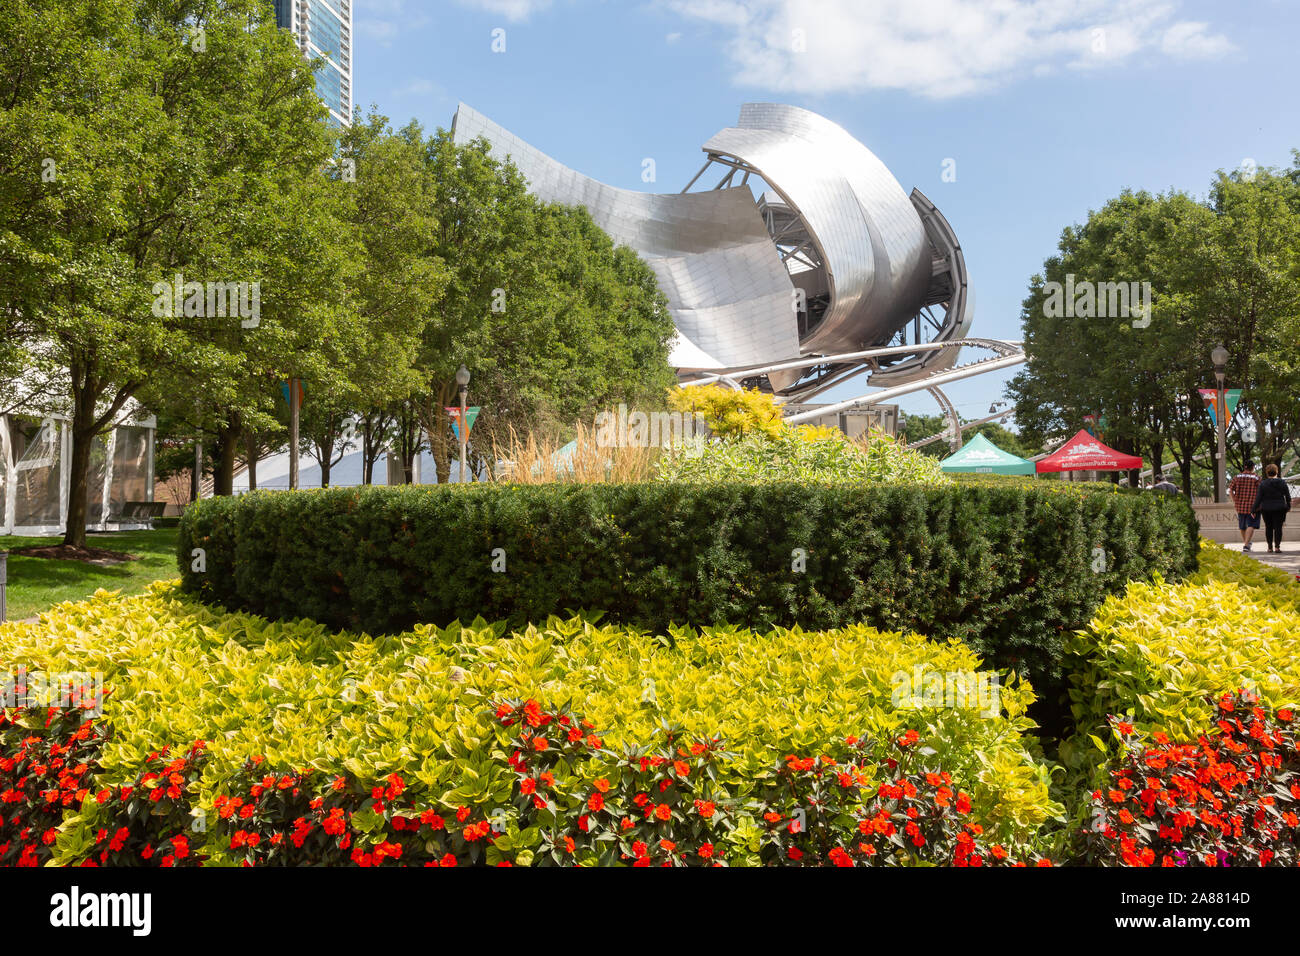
[[1190, 41], [514, 10], [381, 21], [419, 87], [940, 48]]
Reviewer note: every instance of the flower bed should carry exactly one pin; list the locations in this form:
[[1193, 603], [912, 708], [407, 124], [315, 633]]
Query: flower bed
[[1231, 798], [1162, 653], [434, 723]]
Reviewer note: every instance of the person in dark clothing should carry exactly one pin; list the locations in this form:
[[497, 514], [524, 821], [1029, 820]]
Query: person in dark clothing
[[1165, 486], [1272, 503]]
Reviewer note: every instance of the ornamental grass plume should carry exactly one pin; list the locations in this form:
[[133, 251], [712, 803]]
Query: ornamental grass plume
[[545, 461]]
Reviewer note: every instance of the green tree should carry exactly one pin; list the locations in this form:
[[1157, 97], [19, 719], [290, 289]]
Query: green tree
[[140, 139], [552, 320]]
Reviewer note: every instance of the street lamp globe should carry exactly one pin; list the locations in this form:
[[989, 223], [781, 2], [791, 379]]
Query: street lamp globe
[[462, 377], [1219, 357]]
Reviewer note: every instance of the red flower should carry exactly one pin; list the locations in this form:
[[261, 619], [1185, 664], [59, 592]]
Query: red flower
[[476, 831], [432, 819]]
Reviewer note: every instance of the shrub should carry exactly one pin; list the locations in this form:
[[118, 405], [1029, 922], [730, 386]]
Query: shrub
[[290, 698], [1158, 655], [1273, 586], [730, 413], [1229, 799], [1010, 569], [802, 455]]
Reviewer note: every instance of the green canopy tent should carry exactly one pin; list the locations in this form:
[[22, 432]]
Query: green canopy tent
[[981, 456]]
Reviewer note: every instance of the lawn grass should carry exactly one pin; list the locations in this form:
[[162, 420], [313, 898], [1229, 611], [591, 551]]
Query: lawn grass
[[37, 584]]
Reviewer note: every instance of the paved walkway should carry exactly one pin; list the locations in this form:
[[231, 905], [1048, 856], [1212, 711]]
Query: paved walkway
[[1287, 560]]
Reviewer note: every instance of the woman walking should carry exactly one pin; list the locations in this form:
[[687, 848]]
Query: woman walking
[[1272, 503]]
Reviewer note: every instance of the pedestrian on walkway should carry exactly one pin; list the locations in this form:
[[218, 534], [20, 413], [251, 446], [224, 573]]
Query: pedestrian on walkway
[[1244, 488], [1164, 486], [1272, 503]]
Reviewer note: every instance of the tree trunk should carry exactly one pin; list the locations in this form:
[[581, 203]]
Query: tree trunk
[[252, 462], [367, 454], [223, 461], [293, 433], [85, 426], [74, 534]]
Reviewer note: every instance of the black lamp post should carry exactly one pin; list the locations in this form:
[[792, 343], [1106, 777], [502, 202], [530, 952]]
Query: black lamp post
[[462, 380], [1220, 359]]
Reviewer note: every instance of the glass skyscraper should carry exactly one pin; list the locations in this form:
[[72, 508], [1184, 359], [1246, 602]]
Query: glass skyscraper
[[324, 29]]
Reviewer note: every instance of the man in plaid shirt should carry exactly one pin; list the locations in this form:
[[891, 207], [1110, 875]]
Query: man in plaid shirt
[[1243, 489]]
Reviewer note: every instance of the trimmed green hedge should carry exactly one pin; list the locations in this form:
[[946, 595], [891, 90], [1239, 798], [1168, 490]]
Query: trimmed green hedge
[[1007, 568]]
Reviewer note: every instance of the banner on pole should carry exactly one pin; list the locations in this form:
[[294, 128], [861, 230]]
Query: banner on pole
[[471, 416], [1232, 397], [284, 391]]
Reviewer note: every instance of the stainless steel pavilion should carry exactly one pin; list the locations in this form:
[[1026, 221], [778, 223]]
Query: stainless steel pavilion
[[830, 272]]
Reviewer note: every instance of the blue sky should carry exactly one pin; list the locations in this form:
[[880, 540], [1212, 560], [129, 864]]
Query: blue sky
[[1048, 107]]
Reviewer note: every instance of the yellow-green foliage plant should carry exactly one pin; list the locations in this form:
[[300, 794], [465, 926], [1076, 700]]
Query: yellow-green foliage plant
[[1277, 587], [1161, 652], [730, 413], [419, 703]]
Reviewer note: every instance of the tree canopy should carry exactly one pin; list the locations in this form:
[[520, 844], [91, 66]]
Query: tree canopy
[[181, 226], [1225, 269]]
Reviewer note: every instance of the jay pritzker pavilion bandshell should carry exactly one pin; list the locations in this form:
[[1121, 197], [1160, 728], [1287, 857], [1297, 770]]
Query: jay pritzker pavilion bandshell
[[793, 261]]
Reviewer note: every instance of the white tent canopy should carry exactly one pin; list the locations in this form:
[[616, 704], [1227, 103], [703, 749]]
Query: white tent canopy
[[273, 472], [35, 472]]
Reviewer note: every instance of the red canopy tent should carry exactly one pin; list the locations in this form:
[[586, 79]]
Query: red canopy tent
[[1085, 453]]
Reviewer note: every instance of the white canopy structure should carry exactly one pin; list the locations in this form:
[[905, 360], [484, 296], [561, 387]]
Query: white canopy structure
[[36, 455], [35, 473]]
